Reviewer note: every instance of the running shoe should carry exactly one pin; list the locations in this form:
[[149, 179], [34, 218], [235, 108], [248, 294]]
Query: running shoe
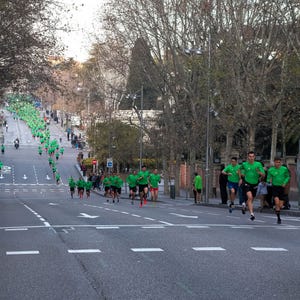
[[278, 221], [252, 218], [231, 206], [243, 208], [145, 201]]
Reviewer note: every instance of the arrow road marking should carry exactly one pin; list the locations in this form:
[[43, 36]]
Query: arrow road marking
[[84, 215], [184, 216]]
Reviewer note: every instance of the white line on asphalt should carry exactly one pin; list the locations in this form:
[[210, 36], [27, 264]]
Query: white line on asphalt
[[84, 251], [197, 226], [107, 227], [153, 227], [147, 249], [184, 216], [170, 224], [268, 249], [15, 229], [137, 216], [124, 212], [208, 249], [287, 228], [21, 252], [242, 227], [47, 224], [150, 219]]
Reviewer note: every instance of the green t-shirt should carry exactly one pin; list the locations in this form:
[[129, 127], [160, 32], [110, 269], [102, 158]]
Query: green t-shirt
[[278, 176], [88, 185], [118, 182], [143, 177], [106, 182], [72, 183], [80, 183], [154, 180], [233, 170], [132, 180], [197, 182], [250, 171]]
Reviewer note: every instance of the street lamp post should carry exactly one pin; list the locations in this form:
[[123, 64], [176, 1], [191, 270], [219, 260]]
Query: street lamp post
[[141, 126], [207, 156]]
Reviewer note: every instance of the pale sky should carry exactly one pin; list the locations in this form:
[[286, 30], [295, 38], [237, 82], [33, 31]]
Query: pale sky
[[84, 24]]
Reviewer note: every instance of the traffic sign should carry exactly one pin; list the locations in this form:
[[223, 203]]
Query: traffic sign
[[109, 163]]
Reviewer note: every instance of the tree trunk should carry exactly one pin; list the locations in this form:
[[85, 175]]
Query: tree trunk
[[274, 138]]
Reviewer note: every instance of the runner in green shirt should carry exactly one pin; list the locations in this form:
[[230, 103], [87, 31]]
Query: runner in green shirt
[[132, 183], [72, 185], [80, 187], [197, 187], [154, 180], [142, 180], [279, 177], [88, 186], [107, 185], [232, 170], [251, 171]]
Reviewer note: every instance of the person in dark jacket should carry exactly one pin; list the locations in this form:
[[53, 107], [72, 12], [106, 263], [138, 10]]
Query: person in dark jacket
[[223, 185]]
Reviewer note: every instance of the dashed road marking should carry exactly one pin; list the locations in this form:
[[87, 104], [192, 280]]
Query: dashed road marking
[[208, 249], [147, 250], [84, 251], [15, 229], [268, 249], [22, 252], [107, 227]]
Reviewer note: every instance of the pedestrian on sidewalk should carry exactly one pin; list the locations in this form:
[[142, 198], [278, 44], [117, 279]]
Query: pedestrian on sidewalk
[[223, 179]]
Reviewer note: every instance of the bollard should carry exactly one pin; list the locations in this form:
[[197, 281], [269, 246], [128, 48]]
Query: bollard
[[172, 188]]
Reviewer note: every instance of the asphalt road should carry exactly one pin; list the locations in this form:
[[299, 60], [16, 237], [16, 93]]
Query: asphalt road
[[55, 247]]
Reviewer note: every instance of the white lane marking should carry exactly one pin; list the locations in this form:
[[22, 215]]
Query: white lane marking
[[15, 229], [124, 212], [53, 203], [212, 214], [147, 250], [268, 249], [21, 252], [107, 227], [150, 219], [288, 228], [137, 216], [184, 216], [153, 227], [84, 215], [166, 223], [242, 227], [208, 249], [196, 226], [84, 251]]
